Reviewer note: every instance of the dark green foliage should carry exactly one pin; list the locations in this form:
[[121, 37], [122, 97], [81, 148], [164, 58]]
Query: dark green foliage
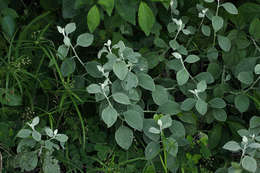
[[137, 86]]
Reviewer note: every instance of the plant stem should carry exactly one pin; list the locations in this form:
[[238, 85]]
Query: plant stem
[[251, 87], [187, 71], [215, 33], [243, 154], [81, 121], [256, 46], [75, 53]]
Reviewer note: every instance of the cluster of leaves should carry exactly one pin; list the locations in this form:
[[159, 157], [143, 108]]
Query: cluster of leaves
[[249, 147], [173, 83], [34, 146]]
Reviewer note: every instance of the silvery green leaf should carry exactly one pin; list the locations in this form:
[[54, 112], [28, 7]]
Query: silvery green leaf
[[120, 69], [177, 55], [243, 132], [217, 23], [209, 1], [119, 45], [24, 133], [201, 106], [61, 137], [94, 69], [134, 119], [36, 135], [154, 130], [121, 98], [242, 103], [149, 123], [257, 69], [224, 43], [69, 28], [85, 40], [188, 104], [152, 150], [28, 161], [206, 30], [170, 107], [131, 81], [219, 114], [186, 31], [182, 76], [62, 51], [49, 132], [94, 88], [134, 94], [146, 81], [124, 137], [177, 129], [35, 121], [230, 8], [109, 116], [50, 165], [254, 145], [48, 144], [192, 59], [174, 44], [166, 121], [202, 86], [232, 146], [249, 164], [205, 76], [160, 95], [217, 103], [66, 41]]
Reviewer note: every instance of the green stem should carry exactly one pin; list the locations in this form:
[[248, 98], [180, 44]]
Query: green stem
[[164, 152], [75, 53], [81, 121], [131, 160], [251, 87], [215, 33], [187, 71]]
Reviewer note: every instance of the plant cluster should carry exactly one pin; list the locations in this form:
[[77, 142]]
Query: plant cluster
[[137, 86]]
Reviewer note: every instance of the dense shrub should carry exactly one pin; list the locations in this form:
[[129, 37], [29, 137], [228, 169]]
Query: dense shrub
[[136, 86]]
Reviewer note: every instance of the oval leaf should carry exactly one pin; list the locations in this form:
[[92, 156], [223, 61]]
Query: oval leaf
[[182, 77], [146, 18], [67, 67], [201, 106], [124, 137], [242, 103], [85, 40], [249, 164], [134, 119], [224, 43], [109, 116], [93, 18], [120, 69], [121, 98], [160, 95], [146, 82], [152, 150], [230, 8], [217, 23], [232, 146]]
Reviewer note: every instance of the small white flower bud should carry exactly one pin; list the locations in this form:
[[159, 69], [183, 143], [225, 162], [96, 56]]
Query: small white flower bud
[[244, 139], [159, 122]]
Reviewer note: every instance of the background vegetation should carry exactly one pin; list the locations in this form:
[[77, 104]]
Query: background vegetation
[[129, 86]]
